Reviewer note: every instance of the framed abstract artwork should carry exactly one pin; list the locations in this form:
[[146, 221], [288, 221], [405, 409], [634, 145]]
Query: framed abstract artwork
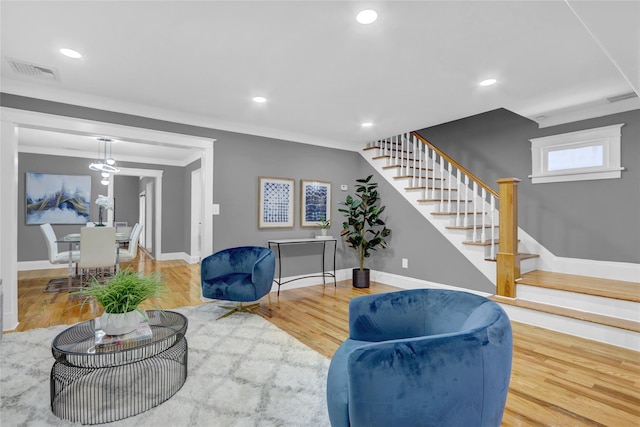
[[275, 205], [315, 202], [57, 199]]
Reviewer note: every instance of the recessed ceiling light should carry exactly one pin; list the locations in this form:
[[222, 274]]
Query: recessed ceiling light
[[259, 99], [488, 82], [70, 53], [367, 16], [366, 124]]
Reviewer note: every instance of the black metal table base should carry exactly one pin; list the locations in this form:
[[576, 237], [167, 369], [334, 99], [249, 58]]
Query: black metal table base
[[90, 386], [324, 273]]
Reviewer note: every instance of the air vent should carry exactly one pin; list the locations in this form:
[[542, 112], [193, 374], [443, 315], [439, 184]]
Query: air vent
[[622, 97], [34, 70]]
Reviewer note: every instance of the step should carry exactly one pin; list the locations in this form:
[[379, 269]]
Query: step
[[456, 213], [393, 150], [386, 156], [613, 322], [523, 256], [470, 227], [618, 289], [416, 177], [444, 201], [495, 242], [429, 189], [408, 167]]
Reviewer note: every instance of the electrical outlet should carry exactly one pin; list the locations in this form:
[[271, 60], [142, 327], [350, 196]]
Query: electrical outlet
[[405, 263]]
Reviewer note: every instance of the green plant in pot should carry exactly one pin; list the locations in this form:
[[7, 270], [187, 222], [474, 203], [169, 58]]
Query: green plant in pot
[[121, 297], [363, 229], [324, 225]]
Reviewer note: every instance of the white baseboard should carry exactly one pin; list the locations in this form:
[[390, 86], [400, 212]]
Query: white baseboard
[[172, 256], [612, 270], [39, 265]]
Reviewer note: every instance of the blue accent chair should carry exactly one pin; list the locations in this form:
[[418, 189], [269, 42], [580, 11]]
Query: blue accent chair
[[422, 357], [239, 274]]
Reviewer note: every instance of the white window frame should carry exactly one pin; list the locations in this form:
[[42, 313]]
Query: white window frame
[[608, 137]]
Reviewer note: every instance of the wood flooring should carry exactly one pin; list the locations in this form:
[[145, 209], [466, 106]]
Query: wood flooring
[[557, 379]]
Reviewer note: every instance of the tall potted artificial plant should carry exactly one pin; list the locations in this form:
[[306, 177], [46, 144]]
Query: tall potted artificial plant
[[363, 229]]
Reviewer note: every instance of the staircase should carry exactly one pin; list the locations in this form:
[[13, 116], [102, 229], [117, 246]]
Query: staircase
[[468, 213]]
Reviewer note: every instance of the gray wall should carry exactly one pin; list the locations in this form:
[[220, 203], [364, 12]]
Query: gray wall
[[125, 193], [583, 219]]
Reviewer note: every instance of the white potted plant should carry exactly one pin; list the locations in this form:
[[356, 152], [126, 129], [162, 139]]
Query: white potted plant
[[121, 297], [324, 225], [103, 203]]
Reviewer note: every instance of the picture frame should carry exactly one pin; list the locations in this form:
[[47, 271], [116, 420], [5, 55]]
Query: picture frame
[[275, 202], [315, 202], [57, 199]]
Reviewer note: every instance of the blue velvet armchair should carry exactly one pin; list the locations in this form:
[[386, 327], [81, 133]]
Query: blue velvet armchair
[[423, 357], [239, 274]]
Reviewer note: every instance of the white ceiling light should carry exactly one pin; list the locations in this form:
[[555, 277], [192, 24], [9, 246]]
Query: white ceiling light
[[488, 82], [104, 181], [367, 16], [70, 53], [259, 99], [102, 163], [366, 124]]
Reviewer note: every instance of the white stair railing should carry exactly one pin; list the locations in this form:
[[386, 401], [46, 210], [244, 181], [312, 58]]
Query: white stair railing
[[471, 203]]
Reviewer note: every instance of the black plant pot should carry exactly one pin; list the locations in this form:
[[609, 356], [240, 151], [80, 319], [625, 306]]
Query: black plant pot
[[360, 278]]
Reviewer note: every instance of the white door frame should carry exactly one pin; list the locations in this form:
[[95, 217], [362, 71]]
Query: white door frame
[[156, 174], [13, 119], [195, 252]]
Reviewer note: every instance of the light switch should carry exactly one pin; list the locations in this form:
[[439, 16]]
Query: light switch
[[216, 209]]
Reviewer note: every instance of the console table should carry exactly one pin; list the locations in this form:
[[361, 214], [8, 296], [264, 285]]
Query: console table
[[90, 386], [283, 242]]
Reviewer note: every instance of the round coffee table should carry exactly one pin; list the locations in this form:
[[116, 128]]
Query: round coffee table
[[92, 387]]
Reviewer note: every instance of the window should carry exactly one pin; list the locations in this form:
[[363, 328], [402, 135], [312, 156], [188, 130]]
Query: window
[[577, 156]]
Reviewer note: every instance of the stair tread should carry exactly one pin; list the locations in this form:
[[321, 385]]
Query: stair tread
[[387, 156], [485, 243], [601, 319], [523, 256], [429, 189], [438, 200], [470, 227], [456, 213], [418, 177], [408, 167], [618, 289]]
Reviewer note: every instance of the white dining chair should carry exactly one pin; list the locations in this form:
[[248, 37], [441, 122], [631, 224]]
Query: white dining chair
[[97, 254], [56, 257], [132, 250]]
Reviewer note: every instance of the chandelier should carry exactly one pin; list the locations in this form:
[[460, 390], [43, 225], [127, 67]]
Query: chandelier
[[103, 164]]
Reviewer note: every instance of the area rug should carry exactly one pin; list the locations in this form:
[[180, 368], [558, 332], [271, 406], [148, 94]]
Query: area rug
[[242, 371]]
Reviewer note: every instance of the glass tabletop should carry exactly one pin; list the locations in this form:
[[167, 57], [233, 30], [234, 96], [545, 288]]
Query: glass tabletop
[[76, 344]]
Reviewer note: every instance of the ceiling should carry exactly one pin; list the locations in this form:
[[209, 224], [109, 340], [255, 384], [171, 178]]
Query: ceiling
[[322, 72]]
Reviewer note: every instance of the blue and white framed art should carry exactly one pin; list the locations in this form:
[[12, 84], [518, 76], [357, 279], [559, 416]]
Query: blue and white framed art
[[315, 202], [57, 199], [275, 205]]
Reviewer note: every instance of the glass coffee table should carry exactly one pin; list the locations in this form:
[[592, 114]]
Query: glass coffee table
[[93, 387]]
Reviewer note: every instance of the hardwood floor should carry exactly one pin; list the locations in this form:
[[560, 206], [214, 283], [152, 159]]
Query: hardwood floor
[[557, 379]]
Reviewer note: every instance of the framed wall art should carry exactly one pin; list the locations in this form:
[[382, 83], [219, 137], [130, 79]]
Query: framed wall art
[[275, 205], [57, 199], [315, 202]]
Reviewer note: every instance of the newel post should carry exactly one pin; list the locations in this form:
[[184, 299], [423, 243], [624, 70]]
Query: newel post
[[508, 259]]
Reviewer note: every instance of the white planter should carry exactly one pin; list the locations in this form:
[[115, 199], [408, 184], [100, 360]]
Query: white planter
[[120, 323]]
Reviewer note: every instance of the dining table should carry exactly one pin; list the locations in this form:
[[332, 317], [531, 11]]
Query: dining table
[[74, 239]]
